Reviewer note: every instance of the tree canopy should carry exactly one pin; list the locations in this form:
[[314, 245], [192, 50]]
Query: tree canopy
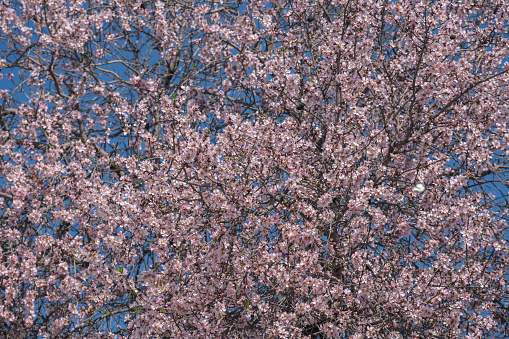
[[254, 169]]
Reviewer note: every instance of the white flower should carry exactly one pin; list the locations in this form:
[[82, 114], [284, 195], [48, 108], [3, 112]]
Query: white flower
[[419, 188]]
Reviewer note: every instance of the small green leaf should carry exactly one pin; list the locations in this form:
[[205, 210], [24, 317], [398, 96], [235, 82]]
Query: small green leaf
[[247, 303], [120, 270]]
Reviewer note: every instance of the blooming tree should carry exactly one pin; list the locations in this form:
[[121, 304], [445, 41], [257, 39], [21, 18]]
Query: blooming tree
[[277, 169]]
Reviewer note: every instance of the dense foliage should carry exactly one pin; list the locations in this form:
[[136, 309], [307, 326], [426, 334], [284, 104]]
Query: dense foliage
[[277, 169]]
